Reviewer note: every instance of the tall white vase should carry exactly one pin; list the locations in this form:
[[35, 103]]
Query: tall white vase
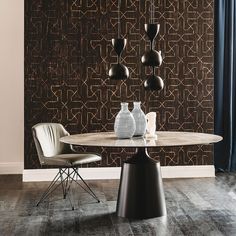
[[124, 123], [151, 125], [140, 120]]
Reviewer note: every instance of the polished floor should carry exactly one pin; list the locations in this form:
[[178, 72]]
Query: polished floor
[[205, 206]]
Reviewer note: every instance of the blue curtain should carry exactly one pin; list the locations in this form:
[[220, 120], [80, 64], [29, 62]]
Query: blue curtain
[[225, 84]]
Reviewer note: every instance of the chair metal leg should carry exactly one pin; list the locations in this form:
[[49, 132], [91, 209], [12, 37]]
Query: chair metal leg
[[66, 185], [70, 181], [51, 188], [88, 188], [67, 181], [63, 185], [71, 198]]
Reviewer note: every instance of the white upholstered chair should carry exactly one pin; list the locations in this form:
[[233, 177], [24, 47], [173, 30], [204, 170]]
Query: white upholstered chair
[[52, 152]]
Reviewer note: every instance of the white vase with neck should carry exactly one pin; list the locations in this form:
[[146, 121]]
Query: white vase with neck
[[140, 120], [124, 123]]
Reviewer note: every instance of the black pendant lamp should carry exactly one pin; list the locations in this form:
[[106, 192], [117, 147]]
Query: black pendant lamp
[[152, 57], [119, 71]]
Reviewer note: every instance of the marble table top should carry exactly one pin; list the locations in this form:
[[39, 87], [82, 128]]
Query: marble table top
[[164, 138]]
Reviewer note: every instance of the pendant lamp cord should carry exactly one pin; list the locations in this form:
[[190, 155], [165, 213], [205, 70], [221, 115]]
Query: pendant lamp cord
[[119, 27], [153, 11]]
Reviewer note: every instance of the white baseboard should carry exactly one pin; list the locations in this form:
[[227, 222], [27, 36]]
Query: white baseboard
[[31, 175], [7, 168]]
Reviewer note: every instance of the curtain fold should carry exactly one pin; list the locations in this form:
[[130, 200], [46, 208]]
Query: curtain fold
[[225, 84]]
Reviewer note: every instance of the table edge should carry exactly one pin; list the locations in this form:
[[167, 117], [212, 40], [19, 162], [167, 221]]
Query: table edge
[[139, 146]]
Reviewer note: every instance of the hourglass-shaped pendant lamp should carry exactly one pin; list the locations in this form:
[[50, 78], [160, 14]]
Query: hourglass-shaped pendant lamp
[[152, 57], [119, 71]]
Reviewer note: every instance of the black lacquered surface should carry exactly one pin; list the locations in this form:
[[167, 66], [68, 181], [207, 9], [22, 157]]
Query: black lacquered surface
[[141, 193]]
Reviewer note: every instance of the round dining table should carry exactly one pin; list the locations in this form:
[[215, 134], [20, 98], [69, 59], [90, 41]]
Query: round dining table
[[141, 193]]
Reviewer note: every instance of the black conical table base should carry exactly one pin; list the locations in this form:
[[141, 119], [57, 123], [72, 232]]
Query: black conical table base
[[141, 193]]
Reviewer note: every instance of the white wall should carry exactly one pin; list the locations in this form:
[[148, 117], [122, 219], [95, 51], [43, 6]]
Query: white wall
[[11, 86]]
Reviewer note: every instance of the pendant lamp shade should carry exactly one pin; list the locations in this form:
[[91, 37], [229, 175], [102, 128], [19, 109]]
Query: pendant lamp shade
[[152, 57], [118, 71], [153, 82]]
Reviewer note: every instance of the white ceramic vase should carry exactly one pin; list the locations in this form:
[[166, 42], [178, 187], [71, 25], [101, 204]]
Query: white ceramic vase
[[140, 120], [124, 123], [151, 125]]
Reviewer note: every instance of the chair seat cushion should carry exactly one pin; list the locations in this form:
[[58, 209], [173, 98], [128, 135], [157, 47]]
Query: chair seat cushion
[[77, 158]]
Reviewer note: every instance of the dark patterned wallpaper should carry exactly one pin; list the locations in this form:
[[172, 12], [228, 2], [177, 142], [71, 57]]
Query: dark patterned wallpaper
[[68, 54]]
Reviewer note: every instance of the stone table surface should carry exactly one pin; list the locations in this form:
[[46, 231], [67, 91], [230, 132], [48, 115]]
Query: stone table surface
[[164, 138]]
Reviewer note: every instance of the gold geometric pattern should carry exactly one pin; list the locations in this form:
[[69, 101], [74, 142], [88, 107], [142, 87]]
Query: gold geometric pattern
[[68, 53]]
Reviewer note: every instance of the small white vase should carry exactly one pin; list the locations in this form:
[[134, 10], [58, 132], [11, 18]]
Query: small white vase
[[151, 125], [140, 120], [124, 123]]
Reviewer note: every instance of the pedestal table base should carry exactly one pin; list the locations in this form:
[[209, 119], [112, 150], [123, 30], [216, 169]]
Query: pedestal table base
[[141, 193]]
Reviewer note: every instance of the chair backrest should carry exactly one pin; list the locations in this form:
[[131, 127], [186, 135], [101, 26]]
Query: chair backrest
[[46, 137]]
